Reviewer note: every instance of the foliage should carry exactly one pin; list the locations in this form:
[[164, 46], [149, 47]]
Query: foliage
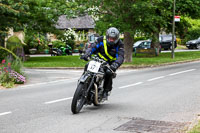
[[35, 40], [9, 74], [193, 32], [68, 37], [34, 15], [195, 129], [6, 80], [140, 38], [9, 55], [147, 17], [13, 40], [6, 53], [31, 39], [178, 40], [58, 44]]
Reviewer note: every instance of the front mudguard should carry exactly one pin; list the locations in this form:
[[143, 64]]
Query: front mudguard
[[84, 78]]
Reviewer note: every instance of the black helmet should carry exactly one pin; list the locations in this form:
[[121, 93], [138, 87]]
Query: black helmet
[[112, 33]]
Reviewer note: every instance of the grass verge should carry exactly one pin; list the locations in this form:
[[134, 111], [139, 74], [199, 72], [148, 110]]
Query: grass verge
[[195, 129], [163, 58], [138, 61]]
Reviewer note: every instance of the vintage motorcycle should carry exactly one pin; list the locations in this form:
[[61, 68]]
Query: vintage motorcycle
[[90, 85]]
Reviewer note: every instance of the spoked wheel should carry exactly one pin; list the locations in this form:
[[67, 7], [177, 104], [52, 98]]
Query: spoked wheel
[[78, 100]]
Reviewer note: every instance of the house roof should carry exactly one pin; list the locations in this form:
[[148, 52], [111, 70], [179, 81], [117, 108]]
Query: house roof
[[82, 22]]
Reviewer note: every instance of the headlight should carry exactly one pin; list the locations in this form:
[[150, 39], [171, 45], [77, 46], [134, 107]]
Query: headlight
[[193, 42]]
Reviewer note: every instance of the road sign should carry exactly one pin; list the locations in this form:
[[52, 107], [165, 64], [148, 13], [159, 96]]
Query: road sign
[[177, 18]]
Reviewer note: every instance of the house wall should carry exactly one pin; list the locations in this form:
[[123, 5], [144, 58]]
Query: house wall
[[81, 35], [51, 37]]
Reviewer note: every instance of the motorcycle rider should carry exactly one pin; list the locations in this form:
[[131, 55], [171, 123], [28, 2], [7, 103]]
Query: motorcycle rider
[[111, 49]]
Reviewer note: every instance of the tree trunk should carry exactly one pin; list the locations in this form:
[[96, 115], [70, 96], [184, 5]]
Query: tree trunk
[[128, 47], [155, 42]]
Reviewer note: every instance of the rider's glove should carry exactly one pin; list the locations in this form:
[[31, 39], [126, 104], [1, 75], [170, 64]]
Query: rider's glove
[[114, 66], [85, 57]]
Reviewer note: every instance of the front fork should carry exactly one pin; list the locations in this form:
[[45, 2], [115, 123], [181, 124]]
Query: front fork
[[87, 79]]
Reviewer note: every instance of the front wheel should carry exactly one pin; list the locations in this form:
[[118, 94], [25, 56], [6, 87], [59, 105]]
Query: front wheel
[[78, 100]]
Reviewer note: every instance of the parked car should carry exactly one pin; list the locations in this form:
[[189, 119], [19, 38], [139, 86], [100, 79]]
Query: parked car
[[166, 41], [193, 44], [143, 44]]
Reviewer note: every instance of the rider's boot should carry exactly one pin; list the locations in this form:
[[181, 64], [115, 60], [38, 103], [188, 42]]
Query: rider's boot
[[106, 94]]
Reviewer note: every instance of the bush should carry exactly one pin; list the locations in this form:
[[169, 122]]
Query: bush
[[139, 38], [58, 44], [15, 45], [14, 42], [10, 73], [35, 40], [178, 40], [71, 43], [192, 34]]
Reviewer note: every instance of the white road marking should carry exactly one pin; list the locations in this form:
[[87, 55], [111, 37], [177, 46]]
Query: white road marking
[[58, 100], [156, 78], [182, 72], [5, 113], [43, 83], [62, 71], [125, 71], [138, 83]]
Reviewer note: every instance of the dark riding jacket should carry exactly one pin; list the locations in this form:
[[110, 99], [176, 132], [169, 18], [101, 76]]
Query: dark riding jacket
[[116, 51]]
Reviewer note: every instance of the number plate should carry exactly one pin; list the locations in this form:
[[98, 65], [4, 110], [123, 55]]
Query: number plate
[[94, 66]]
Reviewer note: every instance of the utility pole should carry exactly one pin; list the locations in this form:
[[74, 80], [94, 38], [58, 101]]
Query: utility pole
[[173, 29]]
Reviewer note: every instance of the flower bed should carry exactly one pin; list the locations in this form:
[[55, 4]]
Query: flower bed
[[8, 76]]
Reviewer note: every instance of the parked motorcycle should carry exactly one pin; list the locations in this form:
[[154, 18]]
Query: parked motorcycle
[[90, 85], [61, 51]]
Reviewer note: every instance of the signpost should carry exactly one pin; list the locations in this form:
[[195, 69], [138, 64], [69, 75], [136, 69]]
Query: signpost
[[177, 18]]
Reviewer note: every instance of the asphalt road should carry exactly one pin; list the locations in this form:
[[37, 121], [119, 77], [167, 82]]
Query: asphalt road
[[169, 95]]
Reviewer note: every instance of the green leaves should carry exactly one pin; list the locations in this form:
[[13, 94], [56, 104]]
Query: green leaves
[[37, 15]]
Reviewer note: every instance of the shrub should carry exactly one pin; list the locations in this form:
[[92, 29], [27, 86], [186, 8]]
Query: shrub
[[9, 75], [192, 34], [178, 40], [14, 42], [15, 45], [58, 44]]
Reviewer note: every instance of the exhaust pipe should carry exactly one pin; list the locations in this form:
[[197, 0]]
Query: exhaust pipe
[[96, 101]]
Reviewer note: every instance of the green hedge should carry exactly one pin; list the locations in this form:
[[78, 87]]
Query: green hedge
[[13, 42]]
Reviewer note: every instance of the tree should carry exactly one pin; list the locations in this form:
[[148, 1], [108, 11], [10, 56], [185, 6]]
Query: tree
[[117, 13], [34, 15], [142, 16]]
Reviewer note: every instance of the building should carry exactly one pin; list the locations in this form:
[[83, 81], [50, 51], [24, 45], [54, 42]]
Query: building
[[83, 25]]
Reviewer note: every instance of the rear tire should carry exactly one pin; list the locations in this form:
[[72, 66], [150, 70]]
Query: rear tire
[[78, 100]]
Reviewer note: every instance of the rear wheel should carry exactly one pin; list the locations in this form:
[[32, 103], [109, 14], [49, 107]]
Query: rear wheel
[[78, 100]]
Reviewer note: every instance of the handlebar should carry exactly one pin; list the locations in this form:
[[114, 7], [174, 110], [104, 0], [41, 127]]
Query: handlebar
[[104, 63]]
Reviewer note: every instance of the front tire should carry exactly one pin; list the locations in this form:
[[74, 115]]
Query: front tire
[[78, 100]]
